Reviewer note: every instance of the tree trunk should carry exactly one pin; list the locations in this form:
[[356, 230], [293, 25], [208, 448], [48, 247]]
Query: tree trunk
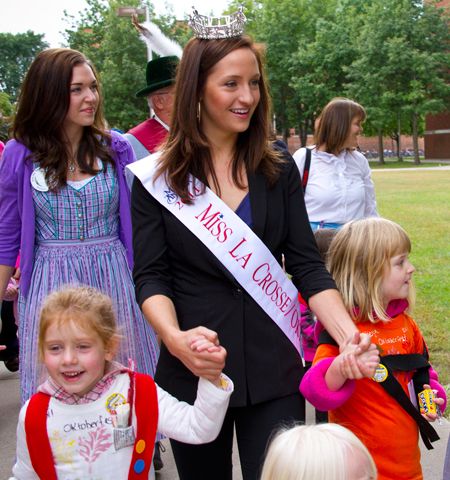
[[303, 132], [312, 122], [380, 148], [285, 135], [399, 146], [416, 141]]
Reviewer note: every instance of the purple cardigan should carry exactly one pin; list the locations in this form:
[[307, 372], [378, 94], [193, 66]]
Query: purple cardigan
[[17, 219]]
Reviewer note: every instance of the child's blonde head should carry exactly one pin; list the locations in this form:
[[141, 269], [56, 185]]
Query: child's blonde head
[[358, 260], [86, 307], [316, 452]]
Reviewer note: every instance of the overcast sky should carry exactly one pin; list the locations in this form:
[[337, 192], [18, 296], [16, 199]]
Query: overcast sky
[[45, 16]]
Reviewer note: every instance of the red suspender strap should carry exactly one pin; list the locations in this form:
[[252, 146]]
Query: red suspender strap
[[146, 411], [306, 169], [37, 438], [150, 133]]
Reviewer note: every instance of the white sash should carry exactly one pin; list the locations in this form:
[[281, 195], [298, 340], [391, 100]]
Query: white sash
[[234, 244]]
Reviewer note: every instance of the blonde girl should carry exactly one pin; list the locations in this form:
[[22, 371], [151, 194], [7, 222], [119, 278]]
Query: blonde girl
[[94, 418], [329, 452], [369, 261]]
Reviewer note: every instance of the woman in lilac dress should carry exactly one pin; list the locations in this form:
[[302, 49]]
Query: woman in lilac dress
[[65, 205]]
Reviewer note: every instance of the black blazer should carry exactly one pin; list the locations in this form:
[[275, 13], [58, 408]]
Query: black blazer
[[171, 261]]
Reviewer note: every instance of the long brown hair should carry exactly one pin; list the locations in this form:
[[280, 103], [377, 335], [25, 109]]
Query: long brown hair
[[187, 150], [335, 123], [43, 104]]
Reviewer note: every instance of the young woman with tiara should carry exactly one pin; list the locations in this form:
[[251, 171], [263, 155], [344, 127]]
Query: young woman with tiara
[[213, 213], [65, 205]]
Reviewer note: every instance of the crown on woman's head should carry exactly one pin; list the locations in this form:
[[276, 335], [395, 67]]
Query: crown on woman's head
[[225, 26]]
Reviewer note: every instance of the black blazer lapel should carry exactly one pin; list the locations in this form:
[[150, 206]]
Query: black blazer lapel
[[258, 201]]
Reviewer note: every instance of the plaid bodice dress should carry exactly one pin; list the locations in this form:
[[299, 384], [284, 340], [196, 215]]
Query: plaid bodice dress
[[77, 243]]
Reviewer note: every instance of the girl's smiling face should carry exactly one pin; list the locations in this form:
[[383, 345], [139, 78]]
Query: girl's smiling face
[[398, 273], [75, 359]]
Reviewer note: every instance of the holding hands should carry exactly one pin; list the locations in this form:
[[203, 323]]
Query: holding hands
[[199, 349], [358, 359]]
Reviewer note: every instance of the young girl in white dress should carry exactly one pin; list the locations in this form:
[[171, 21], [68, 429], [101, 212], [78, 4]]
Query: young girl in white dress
[[94, 418]]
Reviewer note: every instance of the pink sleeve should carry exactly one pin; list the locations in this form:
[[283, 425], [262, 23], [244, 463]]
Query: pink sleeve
[[435, 385], [315, 390]]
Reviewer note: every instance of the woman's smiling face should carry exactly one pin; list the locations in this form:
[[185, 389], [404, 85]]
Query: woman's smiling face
[[355, 129], [231, 94]]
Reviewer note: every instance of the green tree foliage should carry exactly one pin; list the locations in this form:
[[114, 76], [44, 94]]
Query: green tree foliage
[[282, 26], [120, 57], [252, 11], [308, 43], [16, 53], [5, 105], [402, 65], [87, 33], [7, 111]]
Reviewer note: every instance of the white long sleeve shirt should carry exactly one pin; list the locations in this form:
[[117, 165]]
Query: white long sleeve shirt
[[339, 188], [81, 436]]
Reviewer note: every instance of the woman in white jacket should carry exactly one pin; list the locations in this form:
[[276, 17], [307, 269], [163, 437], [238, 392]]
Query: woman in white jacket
[[338, 187]]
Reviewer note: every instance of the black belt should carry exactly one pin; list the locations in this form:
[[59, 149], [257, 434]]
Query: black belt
[[405, 363]]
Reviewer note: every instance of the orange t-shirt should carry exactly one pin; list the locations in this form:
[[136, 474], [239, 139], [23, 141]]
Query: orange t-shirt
[[389, 433]]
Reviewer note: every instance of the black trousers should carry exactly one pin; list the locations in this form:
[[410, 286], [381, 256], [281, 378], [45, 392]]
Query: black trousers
[[254, 425], [8, 335]]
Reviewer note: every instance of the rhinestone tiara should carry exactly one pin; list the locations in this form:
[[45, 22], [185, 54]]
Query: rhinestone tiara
[[225, 26]]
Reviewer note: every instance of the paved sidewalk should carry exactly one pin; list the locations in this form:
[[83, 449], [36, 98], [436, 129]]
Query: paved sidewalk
[[432, 461]]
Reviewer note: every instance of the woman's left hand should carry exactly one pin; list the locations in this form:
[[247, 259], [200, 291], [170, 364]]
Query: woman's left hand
[[363, 340]]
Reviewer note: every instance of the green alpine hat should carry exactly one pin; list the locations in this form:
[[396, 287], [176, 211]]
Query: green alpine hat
[[159, 74]]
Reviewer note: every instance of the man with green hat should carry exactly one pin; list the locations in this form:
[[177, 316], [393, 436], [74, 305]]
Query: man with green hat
[[149, 135]]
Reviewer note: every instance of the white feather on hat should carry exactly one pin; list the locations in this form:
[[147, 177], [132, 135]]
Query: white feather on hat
[[156, 40]]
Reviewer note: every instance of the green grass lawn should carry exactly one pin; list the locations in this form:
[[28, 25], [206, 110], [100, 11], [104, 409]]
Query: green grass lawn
[[405, 164], [420, 203]]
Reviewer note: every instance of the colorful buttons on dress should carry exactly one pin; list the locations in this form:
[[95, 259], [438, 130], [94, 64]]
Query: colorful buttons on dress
[[140, 446], [139, 466]]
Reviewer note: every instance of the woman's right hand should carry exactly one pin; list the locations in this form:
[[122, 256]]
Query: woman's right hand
[[207, 362], [160, 313]]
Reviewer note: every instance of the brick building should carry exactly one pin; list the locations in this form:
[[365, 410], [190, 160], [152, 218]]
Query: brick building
[[437, 129]]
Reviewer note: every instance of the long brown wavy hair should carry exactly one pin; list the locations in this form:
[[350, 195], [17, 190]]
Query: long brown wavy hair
[[43, 104], [187, 150]]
